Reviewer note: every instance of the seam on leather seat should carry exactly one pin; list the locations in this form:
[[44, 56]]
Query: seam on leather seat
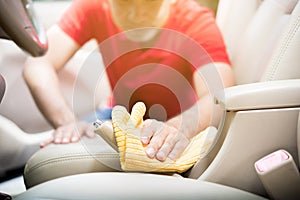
[[67, 154], [290, 35], [69, 158]]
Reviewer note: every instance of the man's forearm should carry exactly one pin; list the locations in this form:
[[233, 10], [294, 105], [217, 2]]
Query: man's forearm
[[205, 112], [54, 109], [43, 83], [197, 118]]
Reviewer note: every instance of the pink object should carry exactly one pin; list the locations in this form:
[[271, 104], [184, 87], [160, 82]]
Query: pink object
[[272, 160]]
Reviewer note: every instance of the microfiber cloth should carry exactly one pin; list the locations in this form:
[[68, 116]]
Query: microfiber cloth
[[127, 129]]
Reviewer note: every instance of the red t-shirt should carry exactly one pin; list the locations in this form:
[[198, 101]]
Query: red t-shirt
[[160, 75]]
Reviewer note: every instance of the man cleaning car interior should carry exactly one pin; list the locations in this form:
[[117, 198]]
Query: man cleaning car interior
[[153, 51]]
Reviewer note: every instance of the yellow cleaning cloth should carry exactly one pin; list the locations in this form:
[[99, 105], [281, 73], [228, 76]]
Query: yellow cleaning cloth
[[127, 130]]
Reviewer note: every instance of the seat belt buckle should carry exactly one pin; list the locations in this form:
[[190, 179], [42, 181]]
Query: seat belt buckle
[[279, 175]]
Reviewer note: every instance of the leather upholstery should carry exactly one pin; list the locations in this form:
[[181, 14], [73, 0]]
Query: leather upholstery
[[265, 59], [16, 146], [131, 186], [88, 155], [251, 50], [285, 60]]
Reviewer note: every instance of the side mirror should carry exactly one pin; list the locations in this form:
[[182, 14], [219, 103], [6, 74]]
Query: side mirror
[[18, 23]]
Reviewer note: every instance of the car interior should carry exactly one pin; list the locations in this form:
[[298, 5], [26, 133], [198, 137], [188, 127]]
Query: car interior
[[254, 152]]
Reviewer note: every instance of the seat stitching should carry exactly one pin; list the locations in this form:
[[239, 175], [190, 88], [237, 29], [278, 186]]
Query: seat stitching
[[287, 41], [68, 158]]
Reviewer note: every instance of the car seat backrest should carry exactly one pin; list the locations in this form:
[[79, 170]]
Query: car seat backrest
[[285, 60], [233, 17], [263, 41], [254, 32]]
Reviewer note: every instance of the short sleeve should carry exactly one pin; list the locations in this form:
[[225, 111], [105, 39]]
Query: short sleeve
[[205, 31], [198, 23], [77, 21]]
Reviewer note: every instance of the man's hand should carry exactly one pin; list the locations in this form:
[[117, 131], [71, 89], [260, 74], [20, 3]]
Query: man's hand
[[163, 140], [70, 132]]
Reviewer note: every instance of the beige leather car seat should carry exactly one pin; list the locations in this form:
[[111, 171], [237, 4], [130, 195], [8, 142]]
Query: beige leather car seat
[[262, 113], [263, 110]]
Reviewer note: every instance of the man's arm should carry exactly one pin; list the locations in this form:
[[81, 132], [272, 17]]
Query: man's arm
[[41, 77], [171, 138]]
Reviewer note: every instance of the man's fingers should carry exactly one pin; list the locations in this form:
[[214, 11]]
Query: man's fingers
[[179, 147], [148, 130], [75, 137], [89, 131], [58, 136], [46, 142], [166, 148], [163, 152], [156, 142], [70, 133], [67, 135]]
